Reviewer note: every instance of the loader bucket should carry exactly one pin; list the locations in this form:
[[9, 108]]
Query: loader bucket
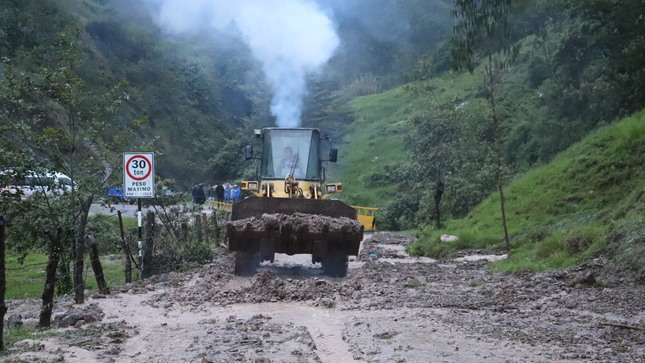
[[255, 207], [326, 229]]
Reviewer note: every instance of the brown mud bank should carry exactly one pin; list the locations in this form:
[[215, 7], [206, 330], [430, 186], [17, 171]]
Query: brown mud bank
[[390, 308]]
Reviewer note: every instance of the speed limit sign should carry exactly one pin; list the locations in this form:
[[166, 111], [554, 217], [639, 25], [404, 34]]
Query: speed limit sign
[[138, 175]]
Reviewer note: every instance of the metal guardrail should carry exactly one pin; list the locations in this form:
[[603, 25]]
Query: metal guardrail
[[227, 207]]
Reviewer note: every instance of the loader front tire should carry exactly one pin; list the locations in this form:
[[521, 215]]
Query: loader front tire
[[335, 263], [246, 262]]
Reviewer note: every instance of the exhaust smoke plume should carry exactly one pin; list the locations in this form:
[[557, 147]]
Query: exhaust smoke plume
[[290, 38]]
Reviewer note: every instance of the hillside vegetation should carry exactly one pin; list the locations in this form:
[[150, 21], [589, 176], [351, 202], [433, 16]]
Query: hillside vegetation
[[588, 202], [460, 134], [376, 148]]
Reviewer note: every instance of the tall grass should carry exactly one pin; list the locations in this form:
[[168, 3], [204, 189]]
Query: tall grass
[[27, 279]]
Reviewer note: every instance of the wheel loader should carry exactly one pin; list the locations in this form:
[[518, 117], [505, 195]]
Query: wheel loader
[[290, 210]]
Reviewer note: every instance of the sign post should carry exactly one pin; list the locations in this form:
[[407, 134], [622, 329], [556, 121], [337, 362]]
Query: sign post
[[139, 182]]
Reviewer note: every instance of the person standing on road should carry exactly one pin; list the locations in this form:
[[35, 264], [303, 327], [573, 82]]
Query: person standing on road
[[211, 193], [219, 192], [235, 194], [227, 193], [198, 194], [195, 193]]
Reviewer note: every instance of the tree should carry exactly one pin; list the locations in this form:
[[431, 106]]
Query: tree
[[447, 151], [483, 30], [58, 124]]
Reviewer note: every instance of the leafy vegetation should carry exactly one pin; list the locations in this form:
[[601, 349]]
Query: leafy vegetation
[[585, 203], [546, 102]]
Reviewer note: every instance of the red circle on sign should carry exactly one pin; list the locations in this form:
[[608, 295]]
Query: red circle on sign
[[127, 169]]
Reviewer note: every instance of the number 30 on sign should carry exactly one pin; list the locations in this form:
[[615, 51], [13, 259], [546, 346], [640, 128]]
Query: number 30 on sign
[[138, 175]]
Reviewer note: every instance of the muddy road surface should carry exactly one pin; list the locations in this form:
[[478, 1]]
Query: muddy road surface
[[390, 308]]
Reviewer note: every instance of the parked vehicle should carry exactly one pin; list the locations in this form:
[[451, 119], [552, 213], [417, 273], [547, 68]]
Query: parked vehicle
[[32, 182], [116, 195]]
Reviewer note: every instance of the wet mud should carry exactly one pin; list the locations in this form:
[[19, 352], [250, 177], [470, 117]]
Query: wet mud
[[390, 308]]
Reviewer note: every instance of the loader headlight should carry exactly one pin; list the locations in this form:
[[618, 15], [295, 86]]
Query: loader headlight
[[331, 189], [250, 185]]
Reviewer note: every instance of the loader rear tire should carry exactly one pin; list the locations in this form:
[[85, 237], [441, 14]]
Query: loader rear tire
[[335, 263]]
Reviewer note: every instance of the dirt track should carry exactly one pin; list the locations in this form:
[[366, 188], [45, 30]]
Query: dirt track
[[390, 308]]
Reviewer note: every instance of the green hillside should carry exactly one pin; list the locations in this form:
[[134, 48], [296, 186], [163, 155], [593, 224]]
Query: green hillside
[[374, 147], [589, 201]]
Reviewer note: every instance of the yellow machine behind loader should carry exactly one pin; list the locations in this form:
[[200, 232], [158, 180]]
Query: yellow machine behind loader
[[289, 211]]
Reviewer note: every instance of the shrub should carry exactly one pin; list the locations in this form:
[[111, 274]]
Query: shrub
[[398, 214], [367, 84], [582, 238], [627, 246], [197, 252], [106, 233]]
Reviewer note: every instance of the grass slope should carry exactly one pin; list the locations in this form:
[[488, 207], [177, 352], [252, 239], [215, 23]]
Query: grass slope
[[374, 142], [588, 201]]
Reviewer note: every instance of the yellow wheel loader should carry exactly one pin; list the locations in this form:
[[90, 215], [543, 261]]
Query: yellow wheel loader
[[289, 211]]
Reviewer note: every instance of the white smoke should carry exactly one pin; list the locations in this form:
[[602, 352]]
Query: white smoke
[[290, 38]]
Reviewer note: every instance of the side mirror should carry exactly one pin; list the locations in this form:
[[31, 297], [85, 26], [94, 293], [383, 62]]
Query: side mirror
[[248, 152], [333, 155]]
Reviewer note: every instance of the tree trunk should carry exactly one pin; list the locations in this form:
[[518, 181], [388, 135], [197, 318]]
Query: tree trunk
[[79, 284], [3, 281], [50, 280], [502, 202], [493, 74], [96, 264], [438, 194], [126, 251]]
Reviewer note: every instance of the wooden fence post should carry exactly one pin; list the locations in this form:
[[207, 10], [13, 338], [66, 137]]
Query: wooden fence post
[[215, 226], [3, 281], [184, 232], [126, 251], [146, 269], [205, 223], [198, 228], [96, 263], [50, 279]]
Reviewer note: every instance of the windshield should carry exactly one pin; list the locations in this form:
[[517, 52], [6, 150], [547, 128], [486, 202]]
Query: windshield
[[289, 151]]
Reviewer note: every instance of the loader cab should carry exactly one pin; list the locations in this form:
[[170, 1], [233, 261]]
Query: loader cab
[[293, 151], [291, 164]]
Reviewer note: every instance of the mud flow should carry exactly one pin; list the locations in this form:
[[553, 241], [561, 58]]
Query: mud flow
[[390, 308]]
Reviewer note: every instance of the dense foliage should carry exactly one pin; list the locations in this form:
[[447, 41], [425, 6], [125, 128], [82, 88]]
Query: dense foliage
[[575, 70]]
